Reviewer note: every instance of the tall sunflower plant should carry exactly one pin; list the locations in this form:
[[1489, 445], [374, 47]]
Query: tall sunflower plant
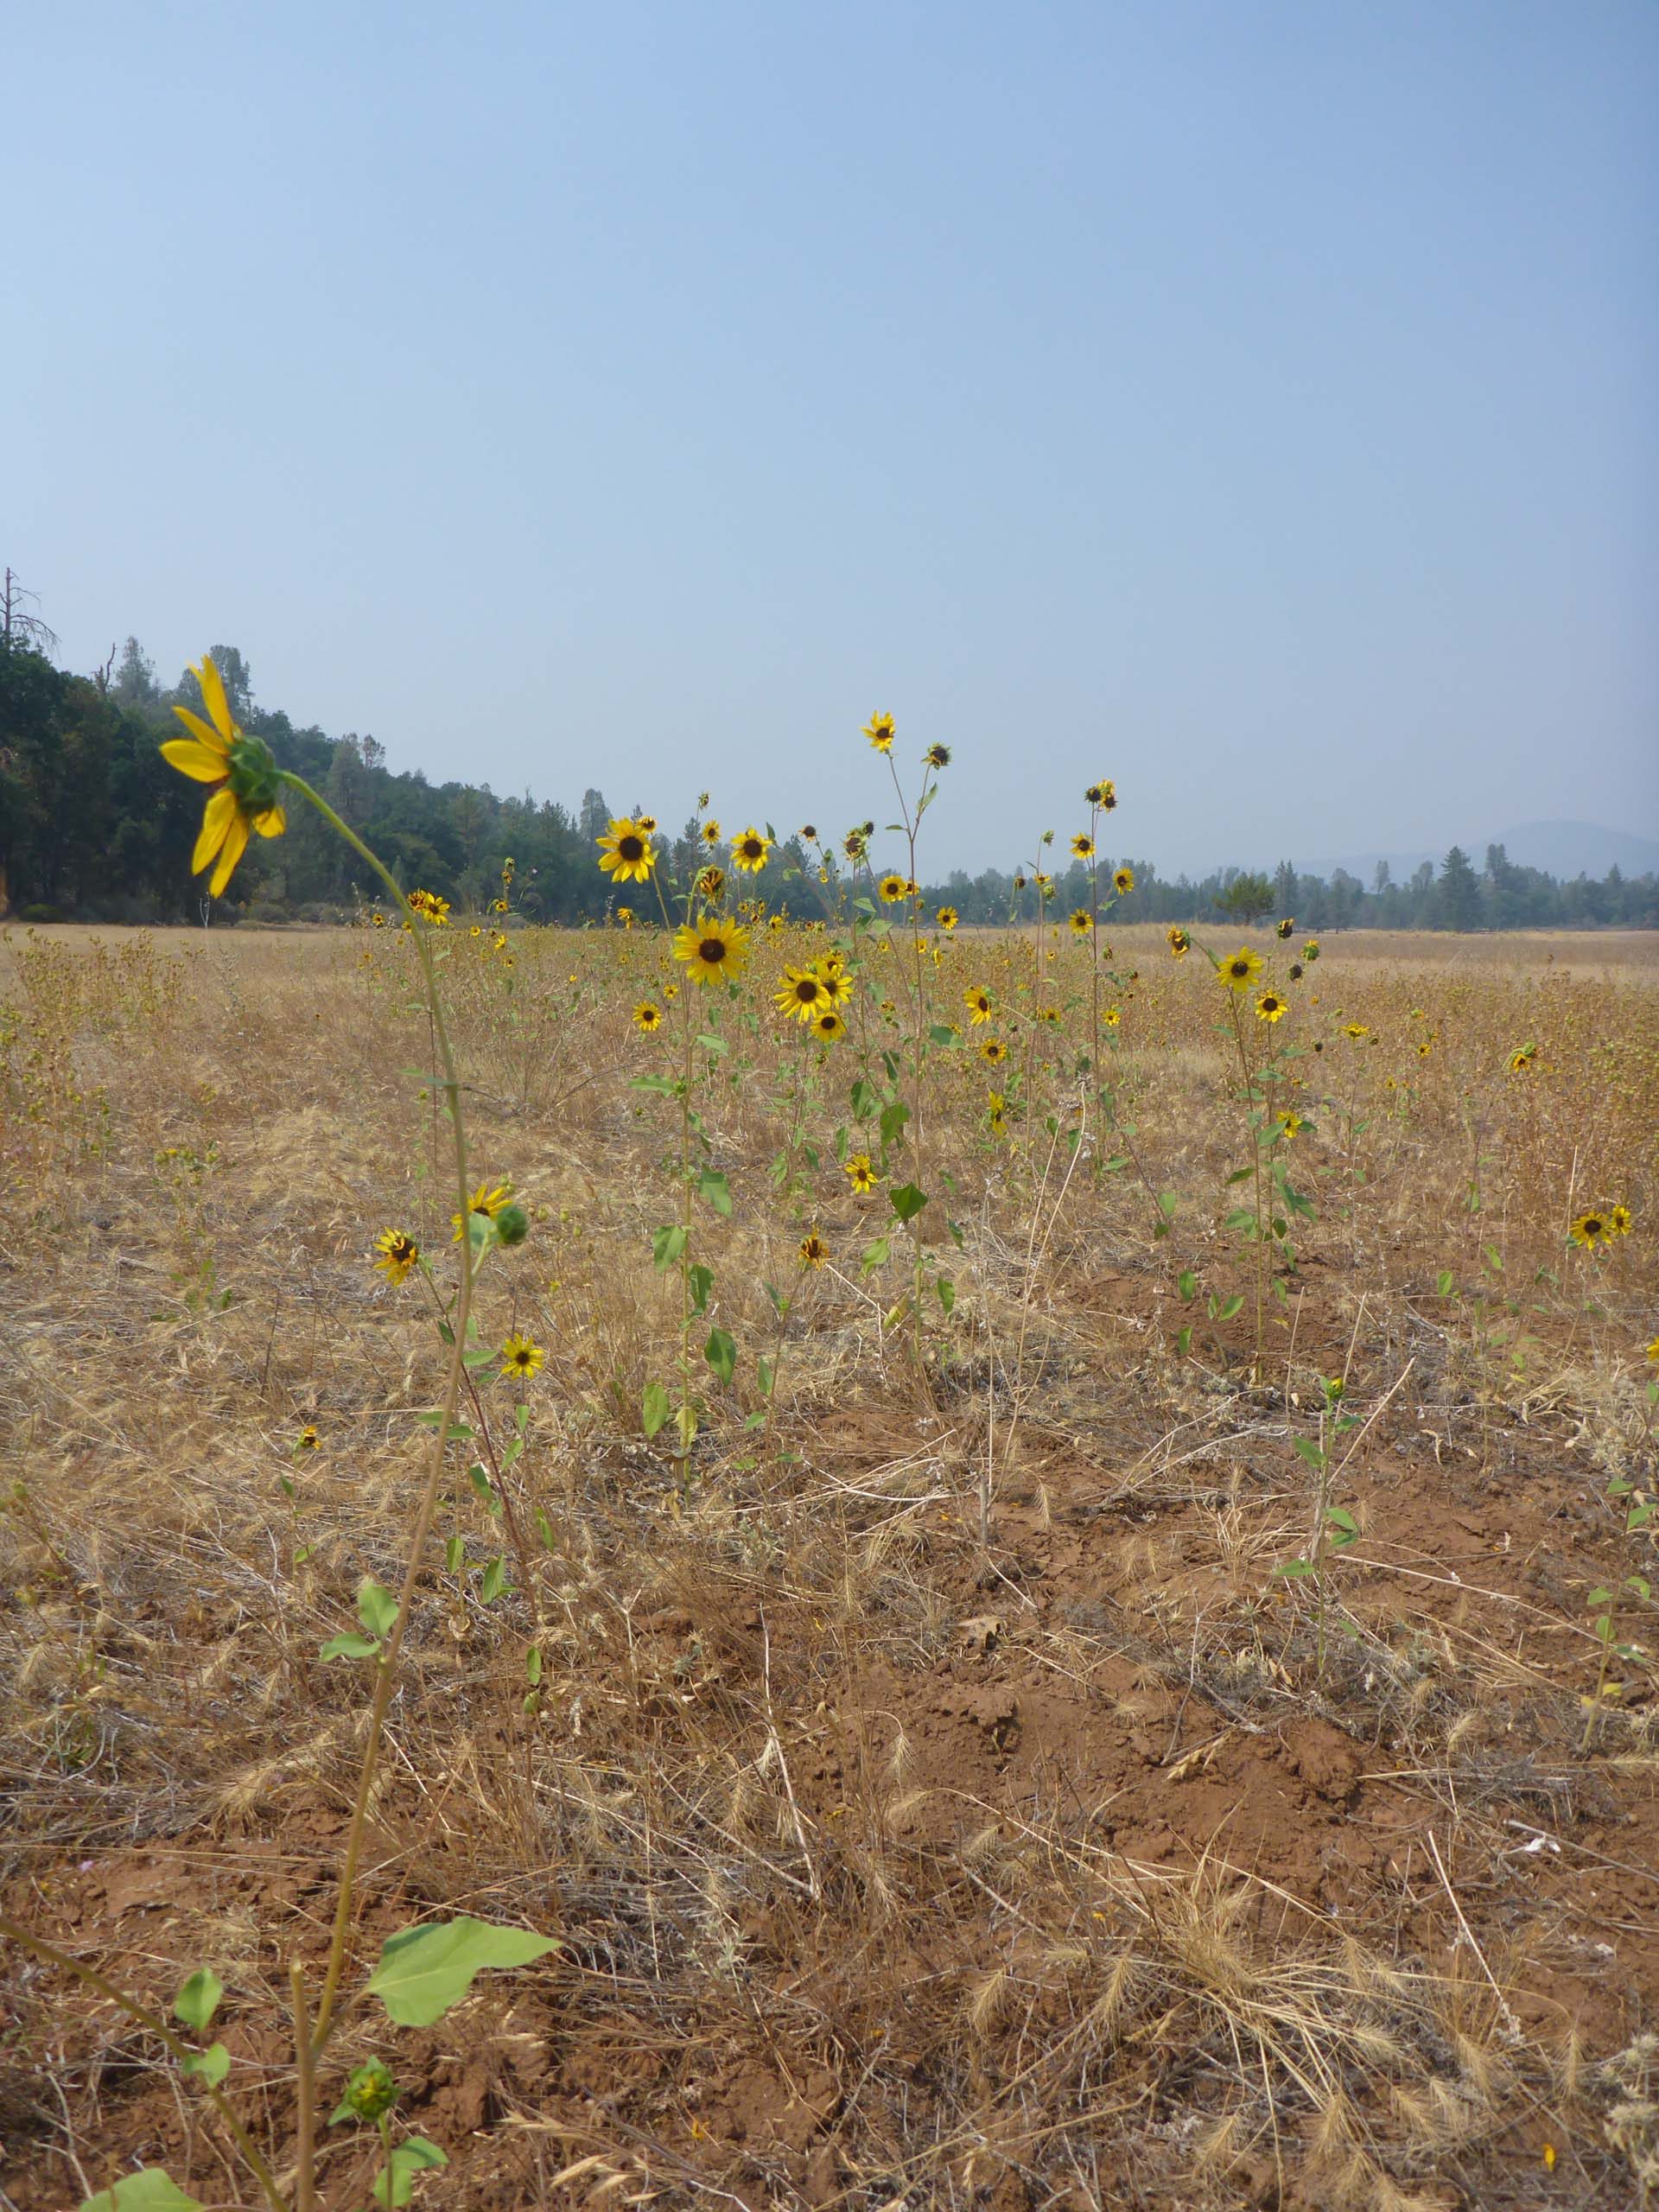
[[1265, 1053], [426, 1969], [711, 948]]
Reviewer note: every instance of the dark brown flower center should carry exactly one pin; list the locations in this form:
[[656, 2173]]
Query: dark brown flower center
[[712, 949], [631, 848]]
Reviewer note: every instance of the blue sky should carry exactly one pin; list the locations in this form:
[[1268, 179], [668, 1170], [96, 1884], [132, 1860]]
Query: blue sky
[[1252, 402]]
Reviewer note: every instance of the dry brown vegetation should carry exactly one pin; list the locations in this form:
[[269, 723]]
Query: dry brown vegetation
[[890, 1868]]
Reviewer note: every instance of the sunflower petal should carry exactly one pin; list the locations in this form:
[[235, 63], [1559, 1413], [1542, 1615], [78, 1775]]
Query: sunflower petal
[[216, 819], [193, 759], [209, 736], [213, 691], [270, 822], [236, 844]]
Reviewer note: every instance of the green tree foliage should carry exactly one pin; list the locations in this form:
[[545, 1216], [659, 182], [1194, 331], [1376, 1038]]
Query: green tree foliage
[[1246, 898]]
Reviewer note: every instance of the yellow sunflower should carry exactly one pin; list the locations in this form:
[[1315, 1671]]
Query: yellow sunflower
[[487, 1200], [711, 833], [1102, 794], [993, 1050], [978, 1002], [802, 992], [711, 948], [647, 1016], [1592, 1230], [879, 730], [219, 752], [1271, 1007], [1522, 1058], [1292, 1122], [1083, 845], [1080, 923], [399, 1254], [1358, 1030], [521, 1359], [1242, 970], [832, 972], [1122, 882], [625, 852], [1112, 1016], [1619, 1220], [892, 888], [829, 1026], [862, 1175], [749, 852], [947, 917]]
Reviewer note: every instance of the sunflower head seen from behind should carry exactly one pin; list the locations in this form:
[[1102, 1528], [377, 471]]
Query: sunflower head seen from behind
[[247, 781]]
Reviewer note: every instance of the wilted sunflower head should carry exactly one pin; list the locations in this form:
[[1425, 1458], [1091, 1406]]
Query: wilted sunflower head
[[809, 835], [1180, 943], [1522, 1058], [645, 821], [855, 844], [1311, 949], [937, 756], [399, 1254], [812, 1251], [1286, 927], [711, 884]]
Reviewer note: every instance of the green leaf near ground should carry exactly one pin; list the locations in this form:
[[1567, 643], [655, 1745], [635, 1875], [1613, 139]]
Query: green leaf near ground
[[151, 2189], [198, 2001], [424, 1971], [395, 2183]]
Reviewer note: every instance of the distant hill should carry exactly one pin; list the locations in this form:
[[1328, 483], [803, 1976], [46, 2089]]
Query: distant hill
[[1563, 849], [1570, 848]]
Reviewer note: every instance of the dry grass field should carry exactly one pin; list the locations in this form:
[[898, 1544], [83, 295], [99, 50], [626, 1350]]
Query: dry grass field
[[937, 1796]]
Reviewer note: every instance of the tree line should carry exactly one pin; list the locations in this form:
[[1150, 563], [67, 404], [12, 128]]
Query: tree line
[[94, 826]]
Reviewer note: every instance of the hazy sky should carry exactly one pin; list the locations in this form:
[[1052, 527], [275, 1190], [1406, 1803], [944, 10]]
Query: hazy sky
[[1255, 402]]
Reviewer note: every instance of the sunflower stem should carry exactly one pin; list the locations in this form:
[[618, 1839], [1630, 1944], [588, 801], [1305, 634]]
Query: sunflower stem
[[386, 1663]]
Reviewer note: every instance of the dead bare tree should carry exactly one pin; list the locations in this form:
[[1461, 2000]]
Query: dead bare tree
[[18, 627]]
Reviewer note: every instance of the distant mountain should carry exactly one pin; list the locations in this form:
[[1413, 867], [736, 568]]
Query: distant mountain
[[1563, 849], [1570, 848]]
